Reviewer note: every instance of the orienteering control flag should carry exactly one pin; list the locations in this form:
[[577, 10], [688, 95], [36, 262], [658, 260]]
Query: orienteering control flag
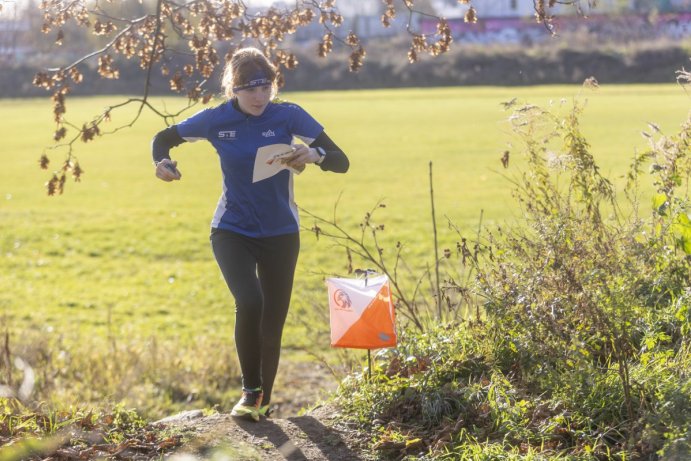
[[362, 314]]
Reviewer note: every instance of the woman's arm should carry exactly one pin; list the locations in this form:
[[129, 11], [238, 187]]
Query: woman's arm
[[334, 158], [164, 141], [166, 169]]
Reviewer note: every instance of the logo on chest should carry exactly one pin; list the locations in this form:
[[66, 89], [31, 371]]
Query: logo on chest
[[268, 134], [227, 135]]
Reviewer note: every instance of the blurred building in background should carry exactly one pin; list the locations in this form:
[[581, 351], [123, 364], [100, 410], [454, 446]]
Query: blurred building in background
[[13, 26], [513, 21]]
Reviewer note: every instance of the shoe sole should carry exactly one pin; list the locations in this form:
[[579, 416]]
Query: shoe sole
[[247, 417], [251, 415]]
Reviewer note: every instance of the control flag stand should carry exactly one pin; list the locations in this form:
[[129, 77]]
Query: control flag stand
[[361, 313]]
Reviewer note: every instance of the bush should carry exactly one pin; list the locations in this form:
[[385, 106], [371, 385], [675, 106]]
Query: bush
[[584, 350], [580, 303]]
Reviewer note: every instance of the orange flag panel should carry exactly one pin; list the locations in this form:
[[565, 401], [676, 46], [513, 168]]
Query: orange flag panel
[[362, 314]]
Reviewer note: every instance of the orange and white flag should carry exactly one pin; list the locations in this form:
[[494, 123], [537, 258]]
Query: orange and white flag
[[362, 313]]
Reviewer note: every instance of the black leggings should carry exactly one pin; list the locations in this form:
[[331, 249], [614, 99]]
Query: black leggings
[[259, 273]]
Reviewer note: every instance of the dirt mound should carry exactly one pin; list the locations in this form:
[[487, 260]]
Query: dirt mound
[[316, 435]]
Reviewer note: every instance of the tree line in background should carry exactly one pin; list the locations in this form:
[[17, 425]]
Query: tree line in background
[[653, 63]]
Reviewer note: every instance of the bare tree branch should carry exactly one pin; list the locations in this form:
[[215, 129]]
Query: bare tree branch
[[188, 36]]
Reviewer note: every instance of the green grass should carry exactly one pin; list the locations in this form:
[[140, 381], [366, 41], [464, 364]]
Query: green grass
[[122, 260]]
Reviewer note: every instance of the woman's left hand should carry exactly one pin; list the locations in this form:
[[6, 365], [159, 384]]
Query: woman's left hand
[[302, 156]]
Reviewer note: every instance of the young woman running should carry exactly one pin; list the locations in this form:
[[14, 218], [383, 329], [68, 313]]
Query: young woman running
[[254, 231]]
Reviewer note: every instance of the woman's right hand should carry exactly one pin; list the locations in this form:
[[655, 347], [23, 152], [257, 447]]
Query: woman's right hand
[[166, 170]]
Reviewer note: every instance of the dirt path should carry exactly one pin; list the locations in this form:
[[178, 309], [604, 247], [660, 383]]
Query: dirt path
[[313, 436]]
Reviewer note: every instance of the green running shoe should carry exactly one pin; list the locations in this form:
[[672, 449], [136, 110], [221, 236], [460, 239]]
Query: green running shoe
[[249, 405]]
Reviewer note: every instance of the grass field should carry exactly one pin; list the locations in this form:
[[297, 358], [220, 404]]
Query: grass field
[[122, 258]]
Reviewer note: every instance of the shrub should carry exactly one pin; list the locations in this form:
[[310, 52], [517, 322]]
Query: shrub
[[579, 302], [583, 352]]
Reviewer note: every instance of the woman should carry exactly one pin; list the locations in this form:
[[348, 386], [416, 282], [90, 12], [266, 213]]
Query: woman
[[255, 231]]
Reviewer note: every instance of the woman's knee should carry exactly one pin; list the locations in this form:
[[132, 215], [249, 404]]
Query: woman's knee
[[248, 304]]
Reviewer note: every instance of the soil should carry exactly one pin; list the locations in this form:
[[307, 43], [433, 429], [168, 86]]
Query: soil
[[291, 433], [315, 435]]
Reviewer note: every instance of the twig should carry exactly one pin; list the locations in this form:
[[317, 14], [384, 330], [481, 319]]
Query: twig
[[436, 245]]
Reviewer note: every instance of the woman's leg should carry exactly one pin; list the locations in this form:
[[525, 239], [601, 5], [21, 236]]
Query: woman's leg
[[276, 271], [236, 257]]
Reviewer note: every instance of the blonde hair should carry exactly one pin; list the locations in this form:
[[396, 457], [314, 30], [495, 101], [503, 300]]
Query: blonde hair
[[243, 66]]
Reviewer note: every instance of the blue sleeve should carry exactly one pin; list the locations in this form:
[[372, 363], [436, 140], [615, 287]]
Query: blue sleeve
[[196, 127], [302, 125]]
